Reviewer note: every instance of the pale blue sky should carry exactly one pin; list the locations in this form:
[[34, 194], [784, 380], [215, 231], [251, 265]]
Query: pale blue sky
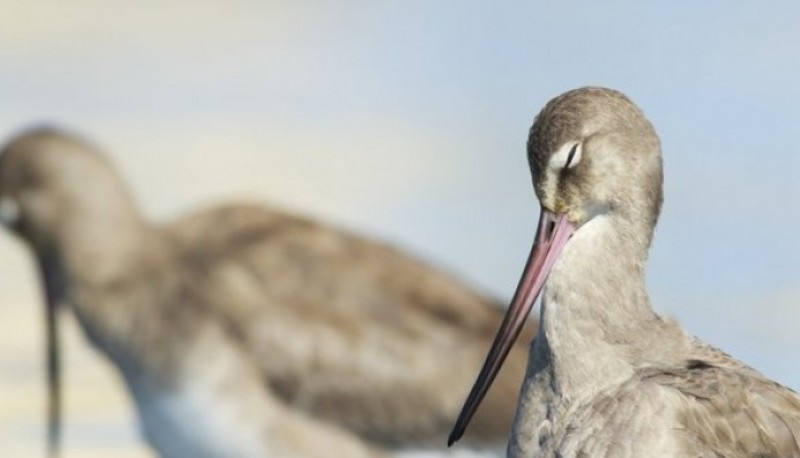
[[408, 120]]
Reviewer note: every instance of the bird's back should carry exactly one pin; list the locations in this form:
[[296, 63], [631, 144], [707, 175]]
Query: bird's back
[[346, 329], [710, 406], [732, 412]]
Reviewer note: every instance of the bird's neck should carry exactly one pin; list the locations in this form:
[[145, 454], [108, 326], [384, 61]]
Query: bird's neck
[[102, 260], [596, 321], [101, 247]]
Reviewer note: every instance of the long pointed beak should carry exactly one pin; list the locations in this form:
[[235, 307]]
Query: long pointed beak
[[553, 233]]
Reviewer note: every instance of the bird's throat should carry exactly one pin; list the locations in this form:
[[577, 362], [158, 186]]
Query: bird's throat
[[595, 311]]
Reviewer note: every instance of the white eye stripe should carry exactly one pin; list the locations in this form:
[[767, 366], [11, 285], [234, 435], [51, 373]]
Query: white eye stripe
[[9, 211], [568, 156]]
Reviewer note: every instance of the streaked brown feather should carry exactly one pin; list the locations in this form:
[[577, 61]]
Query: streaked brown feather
[[328, 340], [349, 329]]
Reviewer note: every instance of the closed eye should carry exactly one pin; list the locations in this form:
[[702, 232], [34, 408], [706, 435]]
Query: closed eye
[[567, 157], [571, 155]]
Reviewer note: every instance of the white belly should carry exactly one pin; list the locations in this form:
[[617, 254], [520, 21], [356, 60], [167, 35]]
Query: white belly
[[197, 421], [215, 407]]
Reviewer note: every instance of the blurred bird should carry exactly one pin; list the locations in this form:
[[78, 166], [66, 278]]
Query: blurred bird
[[607, 376], [243, 331]]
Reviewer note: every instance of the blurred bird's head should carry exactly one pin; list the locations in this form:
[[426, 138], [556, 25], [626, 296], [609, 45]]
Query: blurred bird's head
[[51, 181]]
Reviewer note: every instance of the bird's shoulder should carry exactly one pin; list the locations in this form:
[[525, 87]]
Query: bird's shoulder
[[725, 408]]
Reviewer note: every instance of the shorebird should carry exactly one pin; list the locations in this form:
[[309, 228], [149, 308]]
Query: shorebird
[[243, 331], [607, 376]]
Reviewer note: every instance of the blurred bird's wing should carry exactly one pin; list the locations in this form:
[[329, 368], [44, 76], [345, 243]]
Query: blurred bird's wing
[[348, 329]]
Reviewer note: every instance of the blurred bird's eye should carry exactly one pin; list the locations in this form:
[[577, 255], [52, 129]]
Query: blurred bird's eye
[[9, 211]]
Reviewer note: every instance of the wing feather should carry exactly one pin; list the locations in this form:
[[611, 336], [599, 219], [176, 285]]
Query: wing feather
[[349, 329], [729, 412]]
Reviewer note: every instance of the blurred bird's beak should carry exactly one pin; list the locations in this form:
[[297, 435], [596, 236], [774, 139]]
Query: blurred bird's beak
[[54, 295], [553, 233]]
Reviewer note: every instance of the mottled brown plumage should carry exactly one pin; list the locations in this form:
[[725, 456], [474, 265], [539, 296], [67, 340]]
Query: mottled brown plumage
[[608, 377], [246, 331]]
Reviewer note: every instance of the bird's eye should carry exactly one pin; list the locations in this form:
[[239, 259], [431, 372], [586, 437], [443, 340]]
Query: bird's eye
[[567, 157], [9, 211], [571, 155]]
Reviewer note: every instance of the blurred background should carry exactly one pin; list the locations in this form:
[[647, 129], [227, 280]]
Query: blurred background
[[407, 121]]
